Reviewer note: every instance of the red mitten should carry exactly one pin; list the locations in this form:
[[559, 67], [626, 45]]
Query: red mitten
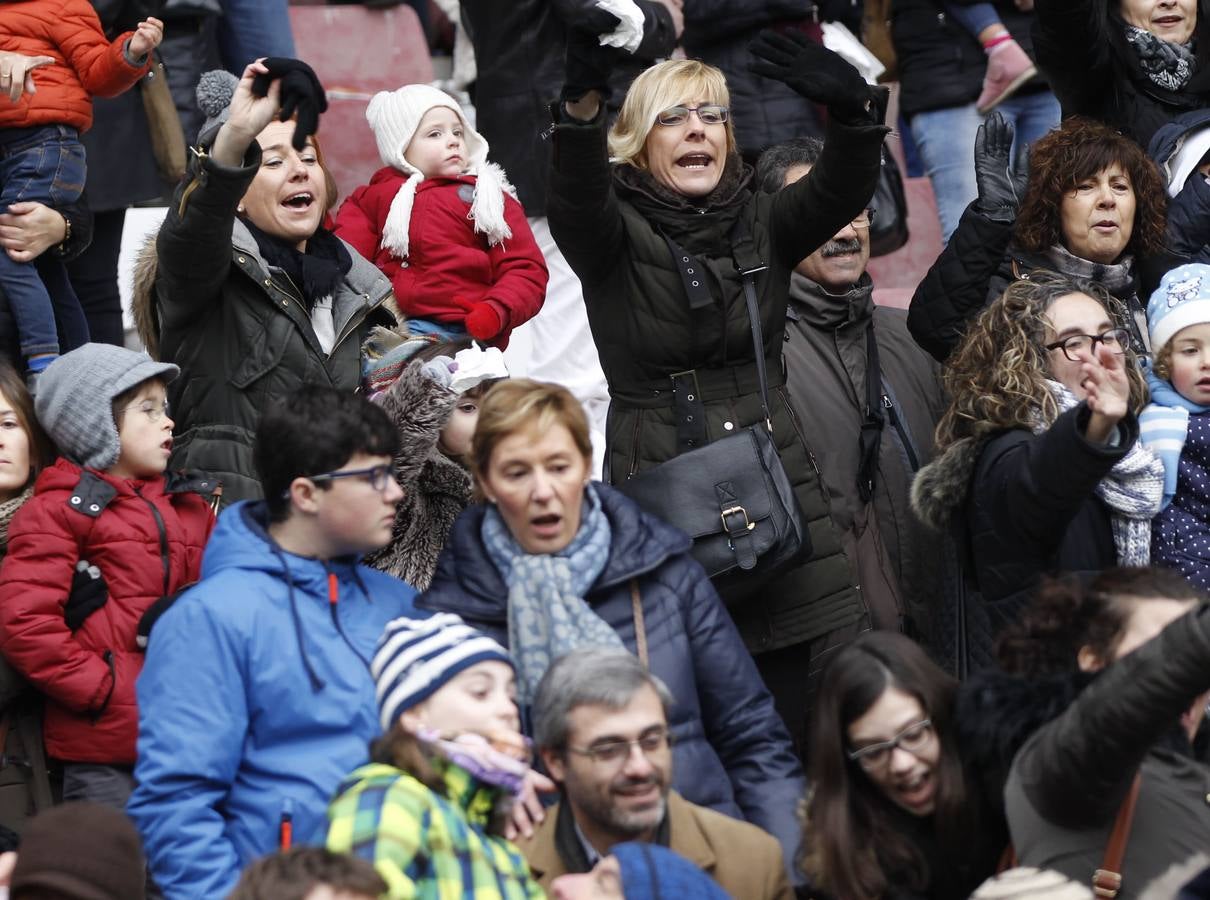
[[484, 322]]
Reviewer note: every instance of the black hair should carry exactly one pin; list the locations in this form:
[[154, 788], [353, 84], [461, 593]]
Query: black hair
[[314, 430], [773, 164]]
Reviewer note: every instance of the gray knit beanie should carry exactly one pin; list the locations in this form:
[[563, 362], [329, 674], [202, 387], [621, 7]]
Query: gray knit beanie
[[75, 395], [214, 92]]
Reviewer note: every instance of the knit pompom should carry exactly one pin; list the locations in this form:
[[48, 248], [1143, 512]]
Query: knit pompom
[[214, 91]]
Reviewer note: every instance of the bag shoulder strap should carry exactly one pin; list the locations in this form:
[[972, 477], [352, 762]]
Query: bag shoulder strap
[[1107, 880], [640, 624]]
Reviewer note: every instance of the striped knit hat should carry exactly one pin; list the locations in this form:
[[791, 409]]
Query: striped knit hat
[[417, 657]]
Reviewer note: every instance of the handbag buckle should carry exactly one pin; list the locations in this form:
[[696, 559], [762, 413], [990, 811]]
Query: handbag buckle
[[730, 511]]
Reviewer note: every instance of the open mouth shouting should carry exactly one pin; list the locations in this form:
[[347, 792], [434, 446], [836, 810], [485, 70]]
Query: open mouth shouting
[[300, 201]]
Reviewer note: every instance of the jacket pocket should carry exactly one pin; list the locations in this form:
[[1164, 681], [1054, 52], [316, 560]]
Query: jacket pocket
[[260, 355], [107, 655]]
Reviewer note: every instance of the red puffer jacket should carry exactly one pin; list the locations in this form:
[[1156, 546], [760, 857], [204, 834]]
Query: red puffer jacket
[[146, 537], [449, 268], [86, 64]]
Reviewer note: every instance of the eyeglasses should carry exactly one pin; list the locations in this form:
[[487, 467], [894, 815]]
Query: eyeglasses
[[614, 753], [1115, 339], [913, 739], [707, 114], [865, 218], [378, 476], [152, 411]]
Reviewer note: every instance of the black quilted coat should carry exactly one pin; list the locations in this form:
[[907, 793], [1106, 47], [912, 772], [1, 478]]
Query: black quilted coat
[[1081, 47], [606, 222]]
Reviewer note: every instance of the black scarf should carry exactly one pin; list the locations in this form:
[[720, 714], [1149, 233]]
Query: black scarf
[[317, 272], [1167, 64]]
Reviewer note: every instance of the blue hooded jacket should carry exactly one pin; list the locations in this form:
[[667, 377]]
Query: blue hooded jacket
[[255, 701]]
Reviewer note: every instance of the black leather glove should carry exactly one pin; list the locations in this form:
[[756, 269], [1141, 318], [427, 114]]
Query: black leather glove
[[588, 65], [998, 197], [89, 592], [1189, 217], [301, 93], [816, 73], [595, 21]]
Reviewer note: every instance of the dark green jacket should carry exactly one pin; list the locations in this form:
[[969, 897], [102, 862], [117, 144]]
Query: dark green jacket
[[604, 220], [207, 301]]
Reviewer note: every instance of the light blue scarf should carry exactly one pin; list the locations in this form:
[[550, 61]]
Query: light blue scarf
[[547, 615], [1164, 426]]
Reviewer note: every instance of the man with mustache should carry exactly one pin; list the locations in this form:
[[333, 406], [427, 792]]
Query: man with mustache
[[869, 399], [600, 723]]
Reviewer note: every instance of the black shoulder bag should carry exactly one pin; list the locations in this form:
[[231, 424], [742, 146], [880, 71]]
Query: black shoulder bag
[[731, 495]]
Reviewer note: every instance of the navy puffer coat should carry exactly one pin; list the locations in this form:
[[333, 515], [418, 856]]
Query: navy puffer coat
[[731, 752]]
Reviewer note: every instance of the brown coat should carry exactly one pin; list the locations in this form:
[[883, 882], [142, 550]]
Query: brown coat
[[743, 860]]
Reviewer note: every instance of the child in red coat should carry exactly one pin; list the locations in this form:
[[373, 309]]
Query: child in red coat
[[443, 223], [64, 54], [106, 535]]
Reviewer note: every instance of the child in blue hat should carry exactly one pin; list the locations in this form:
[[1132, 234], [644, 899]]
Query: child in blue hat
[[1175, 425]]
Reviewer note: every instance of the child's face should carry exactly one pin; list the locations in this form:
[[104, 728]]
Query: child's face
[[481, 700], [438, 147], [458, 431], [1191, 363], [145, 434]]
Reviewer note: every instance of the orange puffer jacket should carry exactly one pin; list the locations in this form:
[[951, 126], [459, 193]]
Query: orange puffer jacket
[[146, 537], [86, 64]]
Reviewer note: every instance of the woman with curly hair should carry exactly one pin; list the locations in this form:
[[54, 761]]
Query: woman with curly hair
[[1093, 208], [1039, 469]]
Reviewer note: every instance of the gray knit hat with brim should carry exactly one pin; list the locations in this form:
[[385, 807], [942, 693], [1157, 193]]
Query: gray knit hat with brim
[[75, 394], [214, 92]]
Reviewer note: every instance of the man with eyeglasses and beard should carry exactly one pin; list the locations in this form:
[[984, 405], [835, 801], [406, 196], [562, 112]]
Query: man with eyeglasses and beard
[[868, 398], [600, 723]]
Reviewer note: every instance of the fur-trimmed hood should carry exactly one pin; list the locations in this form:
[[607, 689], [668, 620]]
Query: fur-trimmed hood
[[364, 278], [941, 487]]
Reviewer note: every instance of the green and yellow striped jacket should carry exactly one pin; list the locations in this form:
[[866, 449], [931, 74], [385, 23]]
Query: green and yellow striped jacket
[[427, 846]]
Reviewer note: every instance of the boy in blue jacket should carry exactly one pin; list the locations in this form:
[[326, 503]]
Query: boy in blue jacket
[[256, 696]]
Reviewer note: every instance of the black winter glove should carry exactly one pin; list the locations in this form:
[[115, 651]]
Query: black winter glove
[[89, 592], [816, 73], [301, 93], [1189, 218], [1000, 187], [588, 65]]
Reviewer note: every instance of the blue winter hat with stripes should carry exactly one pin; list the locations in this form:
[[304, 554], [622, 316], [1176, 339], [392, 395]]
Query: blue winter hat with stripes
[[415, 658], [1181, 300]]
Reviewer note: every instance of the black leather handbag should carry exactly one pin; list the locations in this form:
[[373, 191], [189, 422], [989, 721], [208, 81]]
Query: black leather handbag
[[889, 227], [731, 495]]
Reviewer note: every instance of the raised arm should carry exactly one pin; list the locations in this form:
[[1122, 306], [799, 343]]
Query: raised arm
[[104, 68], [711, 20], [1076, 770], [809, 212], [1071, 47]]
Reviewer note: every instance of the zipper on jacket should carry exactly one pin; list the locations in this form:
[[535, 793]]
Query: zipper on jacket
[[165, 559], [634, 443], [355, 321], [113, 683], [889, 406]]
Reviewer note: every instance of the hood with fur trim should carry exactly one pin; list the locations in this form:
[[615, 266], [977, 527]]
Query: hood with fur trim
[[941, 487]]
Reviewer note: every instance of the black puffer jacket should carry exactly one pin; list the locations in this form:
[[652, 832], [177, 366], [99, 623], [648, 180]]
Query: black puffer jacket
[[605, 221], [765, 112], [519, 50], [1081, 47], [1028, 504], [979, 262], [205, 300], [731, 751], [940, 63], [1069, 780]]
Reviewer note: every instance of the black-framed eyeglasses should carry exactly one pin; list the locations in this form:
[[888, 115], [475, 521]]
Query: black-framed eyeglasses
[[613, 753], [378, 476], [865, 218], [913, 739], [1116, 340], [153, 411], [707, 114]]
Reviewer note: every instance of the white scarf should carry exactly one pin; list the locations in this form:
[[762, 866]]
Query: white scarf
[[487, 209]]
